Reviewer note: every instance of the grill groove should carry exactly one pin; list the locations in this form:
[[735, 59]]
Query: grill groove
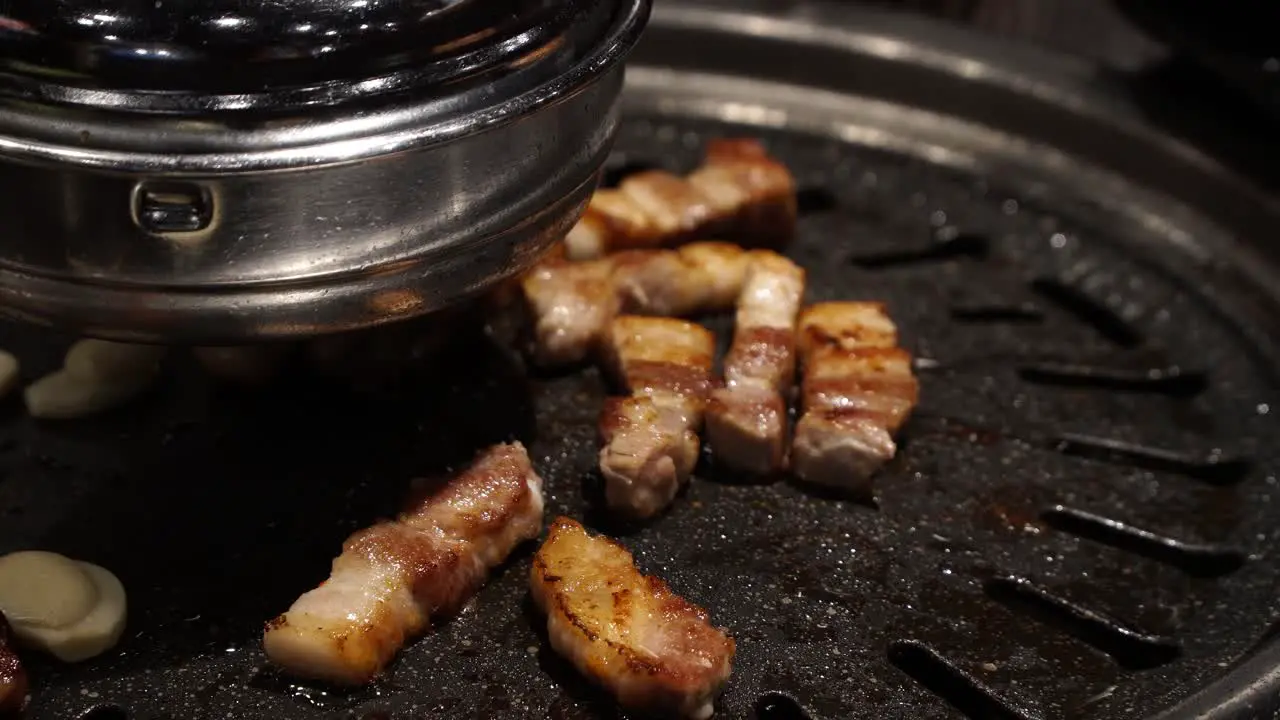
[[1132, 649], [1213, 467], [1169, 380], [962, 690], [1075, 300], [1200, 559]]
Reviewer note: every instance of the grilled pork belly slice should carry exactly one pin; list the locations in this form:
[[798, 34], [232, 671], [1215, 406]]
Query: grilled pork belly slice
[[570, 305], [650, 436], [858, 390], [393, 578], [746, 423], [655, 651], [845, 325], [13, 678], [739, 194], [696, 278]]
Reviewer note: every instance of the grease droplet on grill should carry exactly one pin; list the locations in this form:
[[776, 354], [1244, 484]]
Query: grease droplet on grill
[[963, 691], [1203, 560], [1131, 649]]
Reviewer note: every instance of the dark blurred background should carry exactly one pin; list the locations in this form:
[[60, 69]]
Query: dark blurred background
[[1095, 28], [1208, 71]]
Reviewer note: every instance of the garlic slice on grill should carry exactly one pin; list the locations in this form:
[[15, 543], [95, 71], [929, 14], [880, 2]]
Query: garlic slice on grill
[[44, 589], [96, 375], [72, 610], [107, 360]]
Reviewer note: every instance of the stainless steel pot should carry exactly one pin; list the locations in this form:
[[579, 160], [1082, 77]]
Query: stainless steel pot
[[327, 166]]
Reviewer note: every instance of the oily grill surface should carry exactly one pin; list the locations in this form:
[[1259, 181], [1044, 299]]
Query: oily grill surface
[[982, 578]]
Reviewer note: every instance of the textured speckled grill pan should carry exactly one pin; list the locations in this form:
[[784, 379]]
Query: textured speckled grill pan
[[1081, 521]]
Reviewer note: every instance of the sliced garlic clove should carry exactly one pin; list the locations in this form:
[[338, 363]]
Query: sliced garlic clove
[[10, 373], [103, 359], [63, 395], [96, 632], [44, 590]]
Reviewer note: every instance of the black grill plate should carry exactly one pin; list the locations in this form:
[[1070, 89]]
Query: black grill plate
[[1079, 524]]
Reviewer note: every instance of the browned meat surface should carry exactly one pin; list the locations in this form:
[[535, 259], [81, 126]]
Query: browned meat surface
[[858, 390], [393, 578], [654, 650], [650, 436], [739, 194], [697, 278], [570, 305], [746, 423], [13, 678]]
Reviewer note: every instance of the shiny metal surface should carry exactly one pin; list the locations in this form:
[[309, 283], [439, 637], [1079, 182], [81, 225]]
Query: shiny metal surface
[[222, 226], [167, 55]]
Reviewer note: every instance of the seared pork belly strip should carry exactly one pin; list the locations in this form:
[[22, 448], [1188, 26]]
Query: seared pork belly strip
[[650, 437], [654, 650], [394, 577], [739, 194], [568, 307], [746, 423], [858, 390], [13, 678], [696, 278], [570, 304]]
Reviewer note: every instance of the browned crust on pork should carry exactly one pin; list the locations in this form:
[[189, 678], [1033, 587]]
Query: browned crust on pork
[[661, 354], [671, 679], [752, 424], [499, 473], [613, 418], [765, 353], [645, 376], [816, 334], [758, 209], [736, 149], [426, 563]]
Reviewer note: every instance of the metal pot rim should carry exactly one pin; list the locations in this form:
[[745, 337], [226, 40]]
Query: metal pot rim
[[176, 146]]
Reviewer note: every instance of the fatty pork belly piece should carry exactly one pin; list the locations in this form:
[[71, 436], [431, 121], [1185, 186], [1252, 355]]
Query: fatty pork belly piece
[[739, 194], [394, 577], [702, 277], [568, 307], [746, 423], [650, 437], [570, 304], [654, 650], [858, 390]]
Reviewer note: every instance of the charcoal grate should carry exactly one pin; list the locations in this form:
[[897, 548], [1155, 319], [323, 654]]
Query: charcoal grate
[[1072, 529]]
